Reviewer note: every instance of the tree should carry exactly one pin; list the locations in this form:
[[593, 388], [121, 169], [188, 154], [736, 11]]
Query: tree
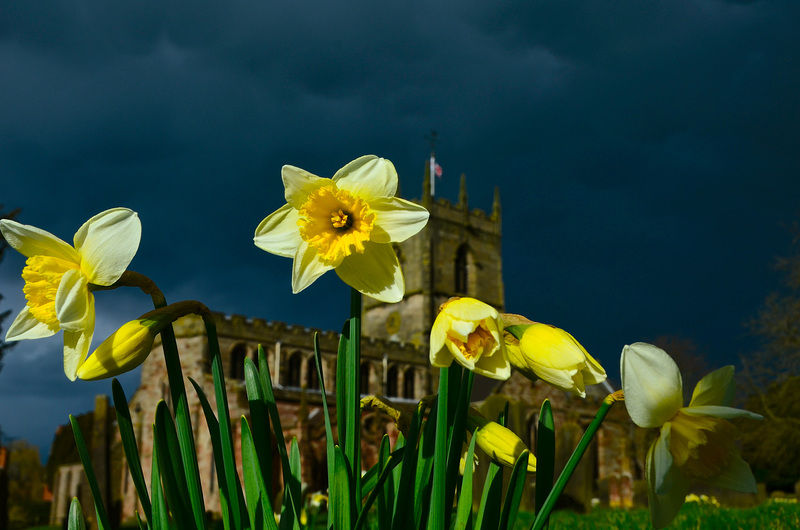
[[772, 378], [4, 346]]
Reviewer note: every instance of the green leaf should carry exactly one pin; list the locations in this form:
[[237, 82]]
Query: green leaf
[[171, 468], [237, 511], [340, 491], [130, 447], [352, 444], [160, 517], [258, 500], [545, 454], [489, 509], [393, 460], [460, 409], [423, 483], [259, 417], [436, 520], [329, 441], [75, 516], [383, 500], [405, 498], [464, 510], [216, 446], [102, 517], [514, 492]]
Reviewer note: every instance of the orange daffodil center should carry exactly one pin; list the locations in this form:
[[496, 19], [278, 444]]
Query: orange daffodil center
[[346, 223], [335, 223], [58, 277], [696, 442]]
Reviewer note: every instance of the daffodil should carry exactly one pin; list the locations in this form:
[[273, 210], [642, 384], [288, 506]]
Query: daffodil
[[498, 442], [346, 223], [696, 443], [551, 354], [469, 331], [58, 277]]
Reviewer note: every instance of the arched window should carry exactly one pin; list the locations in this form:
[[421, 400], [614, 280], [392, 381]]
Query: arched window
[[391, 381], [364, 377], [238, 355], [312, 380], [461, 268], [293, 370], [408, 383]]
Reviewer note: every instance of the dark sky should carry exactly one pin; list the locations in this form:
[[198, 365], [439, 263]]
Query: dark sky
[[646, 153]]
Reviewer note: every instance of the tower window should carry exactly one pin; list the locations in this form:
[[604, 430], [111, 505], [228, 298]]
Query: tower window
[[312, 380], [391, 381], [461, 269], [238, 355], [408, 384], [293, 370], [364, 375]]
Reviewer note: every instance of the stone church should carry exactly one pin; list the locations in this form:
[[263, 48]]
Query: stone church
[[458, 253]]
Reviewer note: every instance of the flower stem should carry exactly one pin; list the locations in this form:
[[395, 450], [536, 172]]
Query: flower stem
[[574, 460]]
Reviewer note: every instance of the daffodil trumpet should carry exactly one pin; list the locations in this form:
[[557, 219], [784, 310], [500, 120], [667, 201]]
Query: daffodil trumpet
[[58, 277], [696, 442], [470, 332], [130, 345], [346, 223], [542, 351]]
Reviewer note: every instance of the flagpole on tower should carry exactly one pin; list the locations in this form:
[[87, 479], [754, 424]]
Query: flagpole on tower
[[434, 170]]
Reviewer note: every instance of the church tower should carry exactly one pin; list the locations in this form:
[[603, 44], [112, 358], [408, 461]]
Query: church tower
[[458, 253]]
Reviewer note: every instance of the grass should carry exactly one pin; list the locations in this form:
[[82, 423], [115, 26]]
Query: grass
[[772, 516]]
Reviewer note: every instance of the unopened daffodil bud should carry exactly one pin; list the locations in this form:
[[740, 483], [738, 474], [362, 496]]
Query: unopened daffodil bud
[[470, 332], [500, 443], [541, 351], [130, 345], [462, 462]]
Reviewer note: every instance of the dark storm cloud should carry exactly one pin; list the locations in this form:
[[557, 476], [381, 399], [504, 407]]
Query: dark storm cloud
[[645, 151]]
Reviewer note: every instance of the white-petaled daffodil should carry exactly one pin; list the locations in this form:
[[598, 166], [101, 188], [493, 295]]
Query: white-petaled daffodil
[[696, 442], [551, 354], [469, 331], [58, 276], [346, 223]]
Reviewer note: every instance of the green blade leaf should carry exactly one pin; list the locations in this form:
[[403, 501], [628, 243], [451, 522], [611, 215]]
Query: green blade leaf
[[102, 517], [129, 446], [340, 492], [258, 500], [259, 417], [393, 460], [464, 510], [160, 516], [436, 520], [514, 492], [405, 499], [489, 510], [171, 467], [423, 483], [75, 516], [545, 454]]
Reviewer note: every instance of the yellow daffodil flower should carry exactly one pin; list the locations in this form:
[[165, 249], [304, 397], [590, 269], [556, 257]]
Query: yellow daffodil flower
[[498, 442], [346, 223], [469, 331], [58, 277], [696, 442], [551, 354]]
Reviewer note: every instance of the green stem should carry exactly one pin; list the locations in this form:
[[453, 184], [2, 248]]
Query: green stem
[[353, 440], [437, 513], [574, 460]]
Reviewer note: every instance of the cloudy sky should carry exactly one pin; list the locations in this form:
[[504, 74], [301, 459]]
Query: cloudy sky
[[646, 153]]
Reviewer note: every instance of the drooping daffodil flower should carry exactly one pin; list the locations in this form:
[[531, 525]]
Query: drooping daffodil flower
[[697, 443], [346, 223], [58, 277], [498, 442], [470, 332], [541, 351]]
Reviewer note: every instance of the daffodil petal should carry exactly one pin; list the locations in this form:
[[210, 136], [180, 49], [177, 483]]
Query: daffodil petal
[[662, 461], [375, 273], [737, 476], [26, 326], [553, 347], [368, 177], [720, 412], [72, 301], [440, 357], [396, 219], [558, 378], [594, 372], [652, 384], [278, 233], [306, 268], [76, 345], [107, 243], [438, 336], [31, 241], [716, 388], [664, 508], [299, 183], [493, 366], [471, 309]]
